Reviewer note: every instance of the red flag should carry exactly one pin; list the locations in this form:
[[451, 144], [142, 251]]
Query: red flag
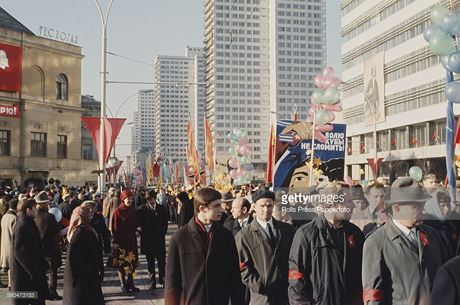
[[208, 145], [156, 169], [375, 166], [112, 127], [192, 153], [10, 67], [271, 156]]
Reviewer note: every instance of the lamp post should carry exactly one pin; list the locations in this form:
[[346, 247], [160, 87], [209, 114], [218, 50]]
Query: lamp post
[[104, 18]]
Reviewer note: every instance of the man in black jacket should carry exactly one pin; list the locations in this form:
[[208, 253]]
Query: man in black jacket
[[153, 221], [326, 254], [49, 229], [202, 267], [28, 266], [240, 217]]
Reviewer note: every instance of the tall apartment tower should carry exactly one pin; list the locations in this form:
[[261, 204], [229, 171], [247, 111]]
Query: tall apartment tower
[[145, 117], [135, 133], [261, 59], [178, 96], [383, 51]]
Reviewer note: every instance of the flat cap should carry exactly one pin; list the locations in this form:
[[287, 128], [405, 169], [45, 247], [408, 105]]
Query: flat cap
[[263, 194]]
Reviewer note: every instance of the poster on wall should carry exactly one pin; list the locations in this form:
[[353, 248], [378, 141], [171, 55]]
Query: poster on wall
[[292, 154], [374, 90], [10, 68]]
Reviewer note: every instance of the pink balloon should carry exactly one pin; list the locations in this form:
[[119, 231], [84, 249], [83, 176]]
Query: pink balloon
[[331, 116], [319, 81], [327, 83], [233, 163], [328, 72], [233, 174], [322, 128], [336, 82], [241, 172], [190, 169], [243, 141], [311, 111], [348, 180], [320, 137], [336, 107]]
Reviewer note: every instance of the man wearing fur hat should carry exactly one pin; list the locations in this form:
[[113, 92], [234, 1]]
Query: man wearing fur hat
[[400, 259], [263, 248], [49, 229]]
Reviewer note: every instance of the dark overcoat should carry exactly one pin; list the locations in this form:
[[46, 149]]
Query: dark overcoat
[[154, 225], [28, 266], [324, 270], [446, 287], [82, 284], [264, 269], [202, 271], [233, 225], [48, 229]]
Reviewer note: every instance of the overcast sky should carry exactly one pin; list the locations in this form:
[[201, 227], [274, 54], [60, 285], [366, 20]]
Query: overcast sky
[[139, 29]]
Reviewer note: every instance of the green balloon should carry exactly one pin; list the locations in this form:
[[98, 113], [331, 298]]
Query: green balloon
[[416, 173], [317, 96], [437, 14], [331, 95], [322, 117], [232, 151], [442, 44]]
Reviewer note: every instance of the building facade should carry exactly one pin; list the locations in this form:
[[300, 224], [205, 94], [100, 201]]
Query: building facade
[[92, 107], [40, 129], [145, 119], [261, 59], [179, 96], [395, 85]]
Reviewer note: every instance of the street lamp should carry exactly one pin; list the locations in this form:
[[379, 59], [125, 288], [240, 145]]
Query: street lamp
[[104, 18]]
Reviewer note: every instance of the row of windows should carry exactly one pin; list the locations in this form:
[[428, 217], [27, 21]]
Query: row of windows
[[241, 125], [385, 13], [38, 144], [351, 6]]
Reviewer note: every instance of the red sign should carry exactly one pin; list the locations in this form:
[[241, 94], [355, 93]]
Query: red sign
[[9, 111], [10, 67]]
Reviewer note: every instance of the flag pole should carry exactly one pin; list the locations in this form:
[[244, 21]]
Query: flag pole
[[312, 148]]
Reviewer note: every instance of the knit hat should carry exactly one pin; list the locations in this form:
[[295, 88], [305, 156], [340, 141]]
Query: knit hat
[[125, 194]]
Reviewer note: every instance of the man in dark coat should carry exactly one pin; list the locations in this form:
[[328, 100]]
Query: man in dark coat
[[202, 266], [153, 221], [240, 217], [401, 258], [185, 209], [263, 248], [446, 287], [49, 229], [28, 266], [326, 255]]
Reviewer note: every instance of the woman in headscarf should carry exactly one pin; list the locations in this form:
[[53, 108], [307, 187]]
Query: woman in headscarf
[[437, 212], [124, 225], [81, 275]]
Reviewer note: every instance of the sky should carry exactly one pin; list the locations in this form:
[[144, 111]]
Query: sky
[[137, 29]]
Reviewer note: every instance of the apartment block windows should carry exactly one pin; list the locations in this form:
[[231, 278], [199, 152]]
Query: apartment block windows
[[5, 142], [38, 144]]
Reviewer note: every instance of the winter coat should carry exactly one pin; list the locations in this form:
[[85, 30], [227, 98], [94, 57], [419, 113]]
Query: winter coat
[[48, 229], [154, 225], [446, 287], [7, 224]]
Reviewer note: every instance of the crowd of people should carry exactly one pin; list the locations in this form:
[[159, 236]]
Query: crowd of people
[[374, 245]]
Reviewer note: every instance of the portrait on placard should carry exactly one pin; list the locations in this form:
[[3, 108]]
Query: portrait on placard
[[374, 90]]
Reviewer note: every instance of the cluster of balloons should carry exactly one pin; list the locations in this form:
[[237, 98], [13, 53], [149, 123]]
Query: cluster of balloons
[[324, 101], [239, 161], [416, 173], [442, 37]]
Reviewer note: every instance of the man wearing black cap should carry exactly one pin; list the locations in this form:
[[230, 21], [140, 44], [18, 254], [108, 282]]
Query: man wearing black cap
[[227, 199], [49, 229], [263, 248], [401, 258], [153, 221]]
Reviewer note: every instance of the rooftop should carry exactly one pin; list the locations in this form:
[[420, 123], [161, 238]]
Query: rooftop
[[9, 22]]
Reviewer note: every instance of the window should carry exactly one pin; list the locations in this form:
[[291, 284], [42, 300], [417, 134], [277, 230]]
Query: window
[[38, 144], [62, 88], [5, 142], [61, 147]]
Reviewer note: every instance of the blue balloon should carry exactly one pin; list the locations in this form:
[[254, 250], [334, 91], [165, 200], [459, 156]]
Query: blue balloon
[[453, 62], [430, 31], [453, 92], [445, 62], [249, 167], [451, 23]]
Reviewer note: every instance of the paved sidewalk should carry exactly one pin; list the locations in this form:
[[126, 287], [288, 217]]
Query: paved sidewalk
[[111, 285]]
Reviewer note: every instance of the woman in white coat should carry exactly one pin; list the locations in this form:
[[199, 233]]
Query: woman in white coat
[[7, 223]]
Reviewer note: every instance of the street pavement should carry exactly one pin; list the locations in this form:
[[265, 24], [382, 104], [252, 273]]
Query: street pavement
[[111, 285]]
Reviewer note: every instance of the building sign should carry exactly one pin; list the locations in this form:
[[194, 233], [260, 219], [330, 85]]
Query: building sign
[[9, 111], [57, 35], [10, 67]]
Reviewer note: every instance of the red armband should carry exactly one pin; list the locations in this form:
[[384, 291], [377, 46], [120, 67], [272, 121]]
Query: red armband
[[295, 275], [372, 295]]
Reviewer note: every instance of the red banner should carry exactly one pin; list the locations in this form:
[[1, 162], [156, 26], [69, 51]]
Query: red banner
[[208, 146], [375, 166], [10, 67], [271, 156], [112, 127], [192, 153], [9, 111]]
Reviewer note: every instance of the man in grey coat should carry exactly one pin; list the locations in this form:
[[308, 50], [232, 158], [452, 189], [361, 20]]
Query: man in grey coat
[[263, 248], [400, 259]]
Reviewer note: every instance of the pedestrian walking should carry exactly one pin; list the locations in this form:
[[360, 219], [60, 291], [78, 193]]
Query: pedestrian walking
[[326, 254], [401, 258], [28, 265], [81, 275], [7, 224], [49, 230], [153, 221], [263, 249], [125, 256], [202, 266]]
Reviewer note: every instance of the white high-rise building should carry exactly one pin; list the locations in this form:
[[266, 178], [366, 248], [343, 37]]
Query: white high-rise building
[[261, 58], [146, 119], [179, 95], [135, 133], [387, 63]]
